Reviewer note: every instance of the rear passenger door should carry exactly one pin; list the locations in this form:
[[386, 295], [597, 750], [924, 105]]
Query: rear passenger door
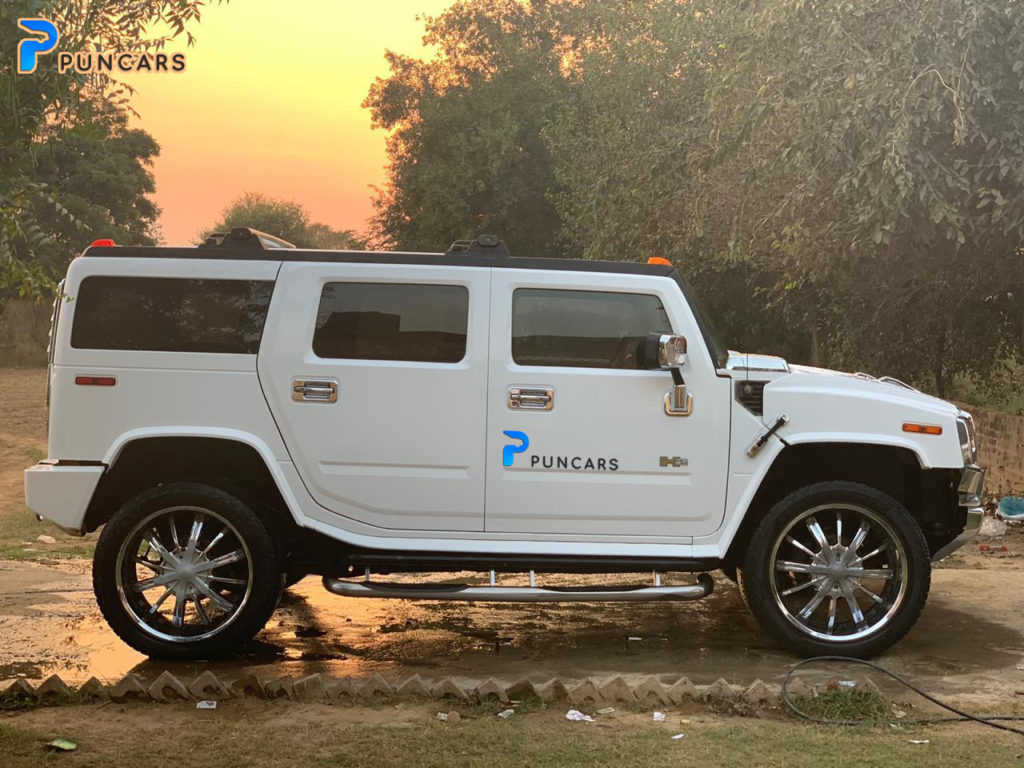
[[376, 375]]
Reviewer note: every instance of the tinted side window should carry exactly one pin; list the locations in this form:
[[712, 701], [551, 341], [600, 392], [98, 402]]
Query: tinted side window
[[583, 329], [165, 314], [392, 321]]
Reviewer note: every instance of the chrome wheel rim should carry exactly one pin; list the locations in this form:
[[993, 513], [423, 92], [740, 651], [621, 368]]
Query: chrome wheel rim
[[839, 572], [184, 574]]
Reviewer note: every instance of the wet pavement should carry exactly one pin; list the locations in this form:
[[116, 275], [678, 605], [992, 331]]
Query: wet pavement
[[969, 640]]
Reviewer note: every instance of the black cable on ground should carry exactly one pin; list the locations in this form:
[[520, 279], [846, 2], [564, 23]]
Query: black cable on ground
[[993, 722]]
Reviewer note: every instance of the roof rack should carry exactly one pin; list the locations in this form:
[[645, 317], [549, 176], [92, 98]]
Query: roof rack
[[245, 237], [484, 245]]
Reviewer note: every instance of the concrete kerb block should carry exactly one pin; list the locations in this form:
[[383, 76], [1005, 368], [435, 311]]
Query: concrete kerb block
[[343, 688], [53, 688], [310, 688], [683, 690], [129, 688], [491, 689], [281, 688], [721, 691], [552, 690], [248, 685], [19, 690], [798, 689], [375, 686], [93, 689], [167, 687], [759, 693], [414, 688], [586, 692], [616, 690], [650, 691], [209, 686], [448, 688], [522, 689]]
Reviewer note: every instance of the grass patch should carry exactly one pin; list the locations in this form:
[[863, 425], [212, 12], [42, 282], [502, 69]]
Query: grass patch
[[847, 705], [19, 529], [314, 737]]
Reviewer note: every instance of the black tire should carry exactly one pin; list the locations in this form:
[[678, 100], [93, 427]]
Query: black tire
[[770, 582], [231, 616]]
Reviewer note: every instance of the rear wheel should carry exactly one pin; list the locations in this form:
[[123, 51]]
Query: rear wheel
[[185, 571], [837, 568]]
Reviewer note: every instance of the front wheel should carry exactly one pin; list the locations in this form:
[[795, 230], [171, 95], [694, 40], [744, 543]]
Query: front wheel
[[837, 568], [185, 571]]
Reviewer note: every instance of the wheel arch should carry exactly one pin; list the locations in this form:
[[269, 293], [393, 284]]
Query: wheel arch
[[237, 462], [894, 469]]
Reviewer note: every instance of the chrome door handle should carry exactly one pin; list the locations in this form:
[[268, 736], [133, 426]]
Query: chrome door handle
[[315, 390], [531, 398]]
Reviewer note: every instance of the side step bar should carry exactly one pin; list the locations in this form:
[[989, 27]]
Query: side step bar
[[493, 593]]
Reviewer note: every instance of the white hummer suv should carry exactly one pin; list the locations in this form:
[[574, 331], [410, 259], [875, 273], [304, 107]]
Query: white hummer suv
[[242, 413]]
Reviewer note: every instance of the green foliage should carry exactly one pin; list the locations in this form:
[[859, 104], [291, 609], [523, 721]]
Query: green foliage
[[843, 183], [70, 169], [285, 219], [465, 146]]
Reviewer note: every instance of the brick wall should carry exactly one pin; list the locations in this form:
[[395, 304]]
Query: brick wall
[[1001, 452]]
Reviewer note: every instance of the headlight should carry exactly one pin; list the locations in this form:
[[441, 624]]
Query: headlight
[[968, 441]]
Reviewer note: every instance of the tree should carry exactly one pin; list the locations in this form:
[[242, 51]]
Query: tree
[[890, 139], [42, 113], [285, 219], [466, 153]]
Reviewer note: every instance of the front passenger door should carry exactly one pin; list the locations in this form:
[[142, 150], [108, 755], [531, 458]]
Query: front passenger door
[[579, 445]]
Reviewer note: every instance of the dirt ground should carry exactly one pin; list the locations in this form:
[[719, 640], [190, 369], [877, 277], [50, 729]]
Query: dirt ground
[[969, 642]]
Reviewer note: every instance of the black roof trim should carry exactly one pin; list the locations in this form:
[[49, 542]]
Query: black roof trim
[[382, 257]]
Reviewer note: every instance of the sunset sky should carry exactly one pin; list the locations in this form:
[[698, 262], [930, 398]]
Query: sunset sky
[[270, 102]]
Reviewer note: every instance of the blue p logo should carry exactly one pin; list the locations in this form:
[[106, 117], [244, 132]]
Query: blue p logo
[[511, 450], [29, 49]]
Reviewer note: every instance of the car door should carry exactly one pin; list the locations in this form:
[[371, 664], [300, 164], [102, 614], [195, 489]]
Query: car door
[[579, 444], [376, 375]]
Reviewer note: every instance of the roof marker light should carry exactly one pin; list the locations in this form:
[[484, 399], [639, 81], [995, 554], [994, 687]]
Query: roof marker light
[[659, 260], [103, 242]]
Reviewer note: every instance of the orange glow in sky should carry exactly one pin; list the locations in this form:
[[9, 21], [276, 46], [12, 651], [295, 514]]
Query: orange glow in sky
[[270, 102]]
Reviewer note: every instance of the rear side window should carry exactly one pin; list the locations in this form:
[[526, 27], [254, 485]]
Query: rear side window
[[583, 329], [392, 321], [163, 314]]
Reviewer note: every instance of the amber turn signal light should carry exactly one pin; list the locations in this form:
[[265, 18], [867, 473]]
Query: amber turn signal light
[[922, 429]]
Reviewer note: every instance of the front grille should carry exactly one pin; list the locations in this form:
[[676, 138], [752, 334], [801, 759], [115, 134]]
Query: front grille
[[751, 395]]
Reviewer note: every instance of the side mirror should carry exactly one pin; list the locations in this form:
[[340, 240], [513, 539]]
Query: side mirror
[[668, 352], [662, 351]]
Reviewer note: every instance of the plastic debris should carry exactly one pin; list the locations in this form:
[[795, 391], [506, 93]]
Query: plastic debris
[[62, 745], [900, 714], [992, 526], [206, 704], [578, 717], [659, 717], [919, 741], [848, 683], [606, 711], [442, 716], [506, 713], [679, 736], [1011, 508]]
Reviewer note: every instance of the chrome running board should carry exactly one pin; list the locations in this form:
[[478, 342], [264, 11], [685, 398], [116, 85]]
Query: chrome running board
[[530, 594]]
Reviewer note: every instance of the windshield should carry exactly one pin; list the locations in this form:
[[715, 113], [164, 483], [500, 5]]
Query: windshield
[[719, 351]]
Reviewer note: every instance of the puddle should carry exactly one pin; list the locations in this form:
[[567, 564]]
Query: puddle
[[955, 645]]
